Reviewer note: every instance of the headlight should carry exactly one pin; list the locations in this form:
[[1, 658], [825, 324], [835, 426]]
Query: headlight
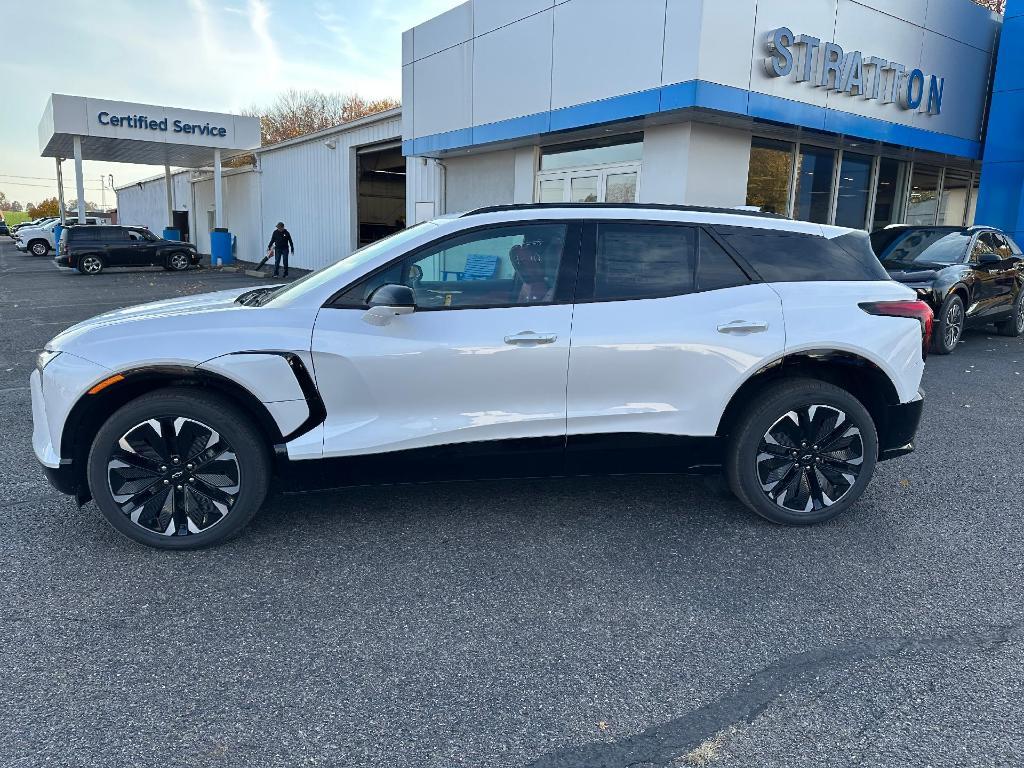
[[44, 358]]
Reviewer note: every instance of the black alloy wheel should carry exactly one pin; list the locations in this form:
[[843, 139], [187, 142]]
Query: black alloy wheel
[[803, 452], [179, 468], [810, 458], [178, 261], [173, 476], [949, 325]]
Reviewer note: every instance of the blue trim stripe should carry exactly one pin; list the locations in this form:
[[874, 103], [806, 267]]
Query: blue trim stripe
[[700, 94]]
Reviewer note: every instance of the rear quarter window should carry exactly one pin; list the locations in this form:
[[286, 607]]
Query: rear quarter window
[[793, 257]]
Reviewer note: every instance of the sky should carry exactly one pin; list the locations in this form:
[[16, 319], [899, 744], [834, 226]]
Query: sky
[[213, 55]]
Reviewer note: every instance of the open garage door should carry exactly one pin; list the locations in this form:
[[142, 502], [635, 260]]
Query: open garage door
[[380, 185]]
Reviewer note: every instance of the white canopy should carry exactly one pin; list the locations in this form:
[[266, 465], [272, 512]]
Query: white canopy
[[123, 132]]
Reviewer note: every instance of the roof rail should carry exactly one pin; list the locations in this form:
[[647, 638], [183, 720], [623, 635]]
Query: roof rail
[[619, 206]]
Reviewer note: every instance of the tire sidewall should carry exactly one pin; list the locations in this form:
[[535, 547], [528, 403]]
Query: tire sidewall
[[39, 249], [251, 452], [772, 406], [170, 262]]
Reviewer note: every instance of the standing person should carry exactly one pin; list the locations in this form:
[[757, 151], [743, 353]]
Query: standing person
[[281, 242]]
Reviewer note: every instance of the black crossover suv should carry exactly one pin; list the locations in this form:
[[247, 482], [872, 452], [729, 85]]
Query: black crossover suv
[[971, 276], [91, 249]]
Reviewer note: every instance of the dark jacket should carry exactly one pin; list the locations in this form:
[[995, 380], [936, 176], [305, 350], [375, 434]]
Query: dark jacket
[[281, 240]]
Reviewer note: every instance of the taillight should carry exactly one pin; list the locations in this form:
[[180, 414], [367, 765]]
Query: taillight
[[919, 310]]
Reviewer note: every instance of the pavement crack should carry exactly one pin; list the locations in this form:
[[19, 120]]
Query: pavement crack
[[662, 745]]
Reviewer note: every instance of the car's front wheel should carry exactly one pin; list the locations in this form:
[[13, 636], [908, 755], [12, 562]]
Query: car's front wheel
[[803, 453], [178, 261], [949, 325], [1013, 326], [39, 248], [179, 469], [90, 265]]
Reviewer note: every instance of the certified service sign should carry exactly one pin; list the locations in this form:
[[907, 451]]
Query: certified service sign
[[828, 66]]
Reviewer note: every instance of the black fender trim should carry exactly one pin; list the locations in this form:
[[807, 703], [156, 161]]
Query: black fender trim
[[315, 403]]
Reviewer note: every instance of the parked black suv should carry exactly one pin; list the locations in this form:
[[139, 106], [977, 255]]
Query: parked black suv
[[971, 276], [90, 250]]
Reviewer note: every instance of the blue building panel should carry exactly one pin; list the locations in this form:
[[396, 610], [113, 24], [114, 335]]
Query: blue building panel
[[1001, 198]]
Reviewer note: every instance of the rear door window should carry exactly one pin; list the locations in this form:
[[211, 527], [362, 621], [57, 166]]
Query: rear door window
[[716, 268], [643, 261]]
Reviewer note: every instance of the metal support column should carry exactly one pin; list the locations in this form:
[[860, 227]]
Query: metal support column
[[60, 188], [218, 190], [79, 178], [170, 196]]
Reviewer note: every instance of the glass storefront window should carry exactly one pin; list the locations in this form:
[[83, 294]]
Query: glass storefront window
[[923, 205], [854, 186], [552, 191], [584, 189], [621, 149], [814, 184], [620, 188], [956, 188], [771, 165], [972, 207], [892, 175]]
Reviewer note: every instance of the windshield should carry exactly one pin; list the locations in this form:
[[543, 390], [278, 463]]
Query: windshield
[[337, 272], [920, 246]]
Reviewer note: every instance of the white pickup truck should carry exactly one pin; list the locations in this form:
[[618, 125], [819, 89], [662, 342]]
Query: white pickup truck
[[39, 240]]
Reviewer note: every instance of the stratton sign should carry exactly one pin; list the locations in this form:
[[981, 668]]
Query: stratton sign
[[144, 122], [827, 66]]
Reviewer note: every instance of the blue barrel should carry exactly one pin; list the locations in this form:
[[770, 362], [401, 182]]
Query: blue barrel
[[220, 247], [57, 230], [171, 233]]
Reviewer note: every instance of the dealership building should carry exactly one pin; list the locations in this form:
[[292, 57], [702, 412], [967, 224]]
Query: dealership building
[[862, 113]]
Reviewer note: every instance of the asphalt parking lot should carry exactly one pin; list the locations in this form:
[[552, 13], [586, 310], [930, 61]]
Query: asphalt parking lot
[[582, 622]]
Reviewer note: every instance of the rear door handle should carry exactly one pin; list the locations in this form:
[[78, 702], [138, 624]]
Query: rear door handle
[[531, 339], [743, 327]]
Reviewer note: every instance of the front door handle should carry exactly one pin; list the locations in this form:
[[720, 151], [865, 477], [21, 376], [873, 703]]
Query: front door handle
[[531, 339], [743, 327]]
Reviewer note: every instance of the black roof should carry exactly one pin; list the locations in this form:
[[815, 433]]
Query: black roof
[[619, 206]]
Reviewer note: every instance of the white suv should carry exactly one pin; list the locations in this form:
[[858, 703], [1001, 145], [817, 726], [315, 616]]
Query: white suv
[[510, 341]]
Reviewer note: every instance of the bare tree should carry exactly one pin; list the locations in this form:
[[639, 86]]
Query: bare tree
[[299, 112], [999, 6]]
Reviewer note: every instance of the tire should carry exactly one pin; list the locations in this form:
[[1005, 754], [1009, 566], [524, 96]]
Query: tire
[[39, 247], [178, 261], [949, 325], [154, 489], [1014, 326], [815, 485], [90, 265]]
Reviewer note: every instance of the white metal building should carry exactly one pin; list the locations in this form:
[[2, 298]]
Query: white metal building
[[335, 190]]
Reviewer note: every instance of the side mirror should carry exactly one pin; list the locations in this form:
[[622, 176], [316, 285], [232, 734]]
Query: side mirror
[[988, 260], [388, 302]]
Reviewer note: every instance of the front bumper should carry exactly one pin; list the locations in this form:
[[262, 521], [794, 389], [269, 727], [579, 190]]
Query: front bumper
[[897, 428]]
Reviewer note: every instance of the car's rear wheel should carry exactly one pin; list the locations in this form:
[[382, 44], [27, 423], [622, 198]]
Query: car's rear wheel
[[178, 261], [39, 247], [1014, 325], [90, 265], [949, 325], [803, 453], [179, 469]]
